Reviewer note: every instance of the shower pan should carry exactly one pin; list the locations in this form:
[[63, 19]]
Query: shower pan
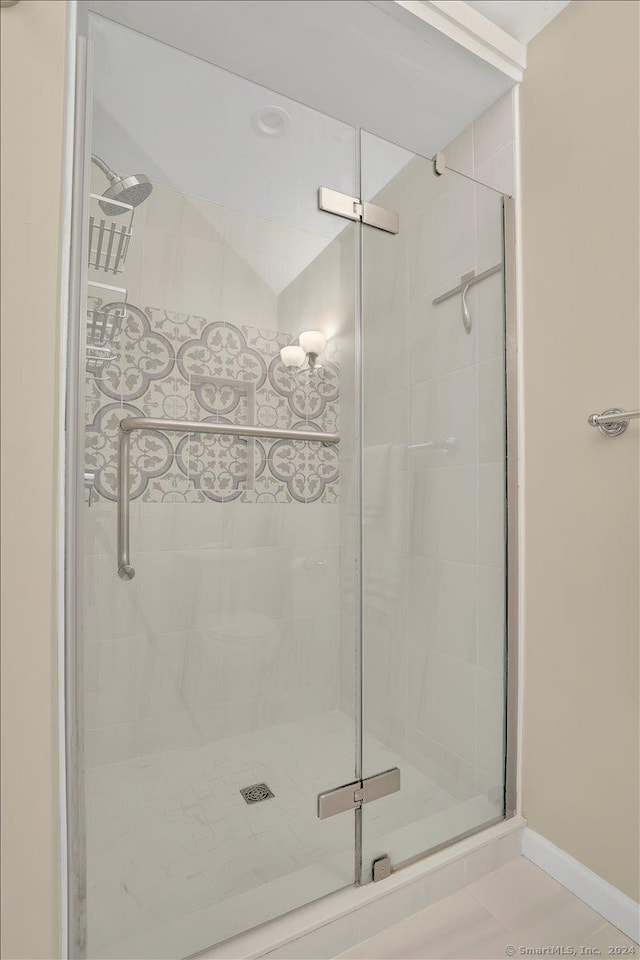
[[289, 589]]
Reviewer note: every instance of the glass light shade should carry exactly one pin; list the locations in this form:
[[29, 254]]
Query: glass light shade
[[293, 356], [312, 341]]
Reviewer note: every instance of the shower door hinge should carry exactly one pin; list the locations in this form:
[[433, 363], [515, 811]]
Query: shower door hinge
[[352, 795], [354, 209]]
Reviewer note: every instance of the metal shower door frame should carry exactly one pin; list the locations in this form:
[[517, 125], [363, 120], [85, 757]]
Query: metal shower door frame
[[76, 865], [509, 235]]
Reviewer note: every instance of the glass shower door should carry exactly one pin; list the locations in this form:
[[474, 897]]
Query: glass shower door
[[223, 685], [218, 681], [434, 505]]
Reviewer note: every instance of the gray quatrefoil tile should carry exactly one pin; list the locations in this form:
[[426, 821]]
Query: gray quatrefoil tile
[[176, 366]]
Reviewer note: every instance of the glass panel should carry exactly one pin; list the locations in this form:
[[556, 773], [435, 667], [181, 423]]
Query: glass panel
[[227, 662], [434, 506]]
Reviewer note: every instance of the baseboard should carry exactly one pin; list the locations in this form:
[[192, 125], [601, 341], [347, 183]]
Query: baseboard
[[615, 906]]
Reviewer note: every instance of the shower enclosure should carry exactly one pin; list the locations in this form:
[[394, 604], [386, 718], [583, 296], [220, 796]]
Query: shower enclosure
[[288, 657]]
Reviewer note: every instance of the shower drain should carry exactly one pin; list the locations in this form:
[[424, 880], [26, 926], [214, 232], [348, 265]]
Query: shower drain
[[256, 792]]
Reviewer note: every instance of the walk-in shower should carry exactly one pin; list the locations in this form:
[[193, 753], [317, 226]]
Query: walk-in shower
[[287, 640]]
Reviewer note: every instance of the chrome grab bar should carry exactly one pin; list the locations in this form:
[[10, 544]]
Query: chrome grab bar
[[128, 424], [613, 422]]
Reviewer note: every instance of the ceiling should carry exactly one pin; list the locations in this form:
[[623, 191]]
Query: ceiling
[[181, 87], [521, 19], [350, 59], [200, 130]]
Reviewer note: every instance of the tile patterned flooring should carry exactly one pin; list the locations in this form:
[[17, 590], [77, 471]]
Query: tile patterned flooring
[[174, 853], [515, 911]]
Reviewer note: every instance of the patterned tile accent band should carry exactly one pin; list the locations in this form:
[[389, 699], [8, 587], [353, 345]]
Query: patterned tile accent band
[[182, 367]]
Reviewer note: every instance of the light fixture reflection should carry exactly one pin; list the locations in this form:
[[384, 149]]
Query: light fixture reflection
[[293, 356], [311, 345]]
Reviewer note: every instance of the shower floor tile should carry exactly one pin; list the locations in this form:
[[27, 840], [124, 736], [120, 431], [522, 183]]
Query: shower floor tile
[[177, 860]]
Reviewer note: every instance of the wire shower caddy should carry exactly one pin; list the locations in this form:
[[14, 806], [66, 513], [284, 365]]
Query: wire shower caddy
[[109, 239], [104, 323]]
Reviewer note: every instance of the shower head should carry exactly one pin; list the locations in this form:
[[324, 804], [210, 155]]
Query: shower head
[[132, 190]]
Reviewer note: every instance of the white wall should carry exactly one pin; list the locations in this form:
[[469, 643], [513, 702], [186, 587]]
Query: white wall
[[33, 75], [579, 127]]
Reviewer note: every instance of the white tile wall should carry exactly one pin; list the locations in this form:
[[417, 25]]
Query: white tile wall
[[456, 598], [436, 348], [324, 294], [232, 620], [201, 258], [492, 130], [489, 328], [206, 641]]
